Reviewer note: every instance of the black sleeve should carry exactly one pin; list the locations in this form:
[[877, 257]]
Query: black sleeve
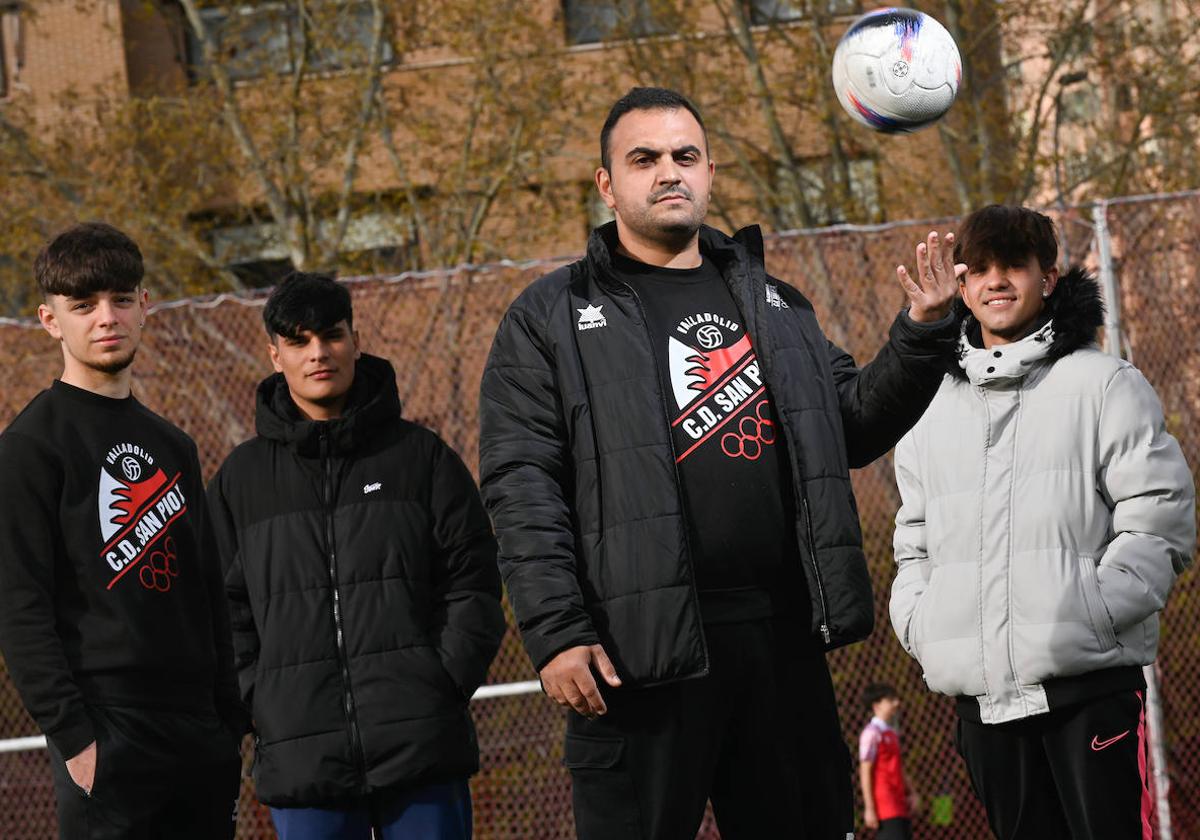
[[467, 618], [225, 685], [241, 628], [524, 468], [883, 400], [31, 486]]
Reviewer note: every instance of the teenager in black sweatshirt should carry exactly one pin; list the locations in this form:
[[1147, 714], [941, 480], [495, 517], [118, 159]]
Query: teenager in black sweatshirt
[[113, 623]]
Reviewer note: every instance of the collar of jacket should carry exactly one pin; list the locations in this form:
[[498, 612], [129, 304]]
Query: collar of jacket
[[373, 401], [1076, 310], [725, 251], [1004, 361]]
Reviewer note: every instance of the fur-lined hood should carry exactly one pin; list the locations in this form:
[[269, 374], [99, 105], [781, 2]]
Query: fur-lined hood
[[1075, 309]]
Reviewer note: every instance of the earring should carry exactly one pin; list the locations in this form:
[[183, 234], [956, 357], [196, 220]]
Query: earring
[[1045, 291]]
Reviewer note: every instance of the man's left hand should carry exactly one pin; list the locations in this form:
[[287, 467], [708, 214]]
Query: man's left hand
[[932, 292]]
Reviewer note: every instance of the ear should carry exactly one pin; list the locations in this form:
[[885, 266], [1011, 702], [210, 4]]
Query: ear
[[144, 300], [49, 321], [604, 185], [357, 345], [1050, 279], [273, 351]]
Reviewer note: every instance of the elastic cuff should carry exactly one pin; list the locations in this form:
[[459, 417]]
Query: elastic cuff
[[235, 718], [541, 659], [942, 323], [72, 737]]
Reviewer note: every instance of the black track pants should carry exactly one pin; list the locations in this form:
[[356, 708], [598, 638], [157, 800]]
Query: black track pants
[[1076, 773], [896, 828], [759, 736], [158, 775]]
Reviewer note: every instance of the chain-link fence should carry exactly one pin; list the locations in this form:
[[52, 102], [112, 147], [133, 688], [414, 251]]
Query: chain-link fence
[[202, 359]]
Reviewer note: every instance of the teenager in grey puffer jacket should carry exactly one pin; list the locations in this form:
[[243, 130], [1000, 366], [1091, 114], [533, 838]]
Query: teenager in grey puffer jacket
[[1046, 515], [1047, 512]]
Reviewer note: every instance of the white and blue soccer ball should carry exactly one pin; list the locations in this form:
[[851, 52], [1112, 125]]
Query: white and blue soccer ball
[[896, 70]]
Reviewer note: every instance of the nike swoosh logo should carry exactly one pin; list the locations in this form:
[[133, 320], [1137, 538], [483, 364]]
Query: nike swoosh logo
[[1098, 745]]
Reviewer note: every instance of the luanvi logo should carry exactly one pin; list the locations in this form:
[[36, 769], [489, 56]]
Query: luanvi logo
[[591, 317], [371, 488], [774, 298]]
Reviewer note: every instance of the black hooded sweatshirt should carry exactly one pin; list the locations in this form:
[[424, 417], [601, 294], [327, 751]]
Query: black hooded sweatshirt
[[111, 586], [361, 574]]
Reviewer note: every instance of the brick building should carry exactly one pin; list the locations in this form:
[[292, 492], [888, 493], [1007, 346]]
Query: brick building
[[781, 160]]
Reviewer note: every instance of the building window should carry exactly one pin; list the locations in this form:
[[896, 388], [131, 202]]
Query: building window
[[12, 48], [864, 190], [591, 21], [766, 12], [1080, 105], [263, 40], [3, 60]]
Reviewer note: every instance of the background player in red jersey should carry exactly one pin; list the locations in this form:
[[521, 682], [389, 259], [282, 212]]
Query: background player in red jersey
[[887, 802]]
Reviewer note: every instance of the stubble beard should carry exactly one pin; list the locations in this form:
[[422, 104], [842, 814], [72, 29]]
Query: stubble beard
[[675, 233], [113, 365]]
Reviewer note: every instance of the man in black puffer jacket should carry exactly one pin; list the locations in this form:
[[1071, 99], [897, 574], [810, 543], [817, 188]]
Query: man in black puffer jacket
[[666, 438], [364, 597]]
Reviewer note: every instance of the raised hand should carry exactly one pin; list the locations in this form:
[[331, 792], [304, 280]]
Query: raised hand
[[932, 292]]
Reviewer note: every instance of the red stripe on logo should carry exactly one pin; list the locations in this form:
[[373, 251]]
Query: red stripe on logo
[[138, 559], [717, 427], [137, 515]]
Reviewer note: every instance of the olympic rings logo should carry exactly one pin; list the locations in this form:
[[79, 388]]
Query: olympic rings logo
[[157, 571], [753, 433]]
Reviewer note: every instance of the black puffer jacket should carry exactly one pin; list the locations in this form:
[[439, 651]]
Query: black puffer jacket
[[364, 597], [579, 473]]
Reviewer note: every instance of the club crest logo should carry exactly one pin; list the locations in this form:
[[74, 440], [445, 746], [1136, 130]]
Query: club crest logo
[[137, 503], [718, 389]]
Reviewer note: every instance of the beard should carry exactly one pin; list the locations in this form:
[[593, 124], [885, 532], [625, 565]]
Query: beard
[[675, 229], [113, 364]]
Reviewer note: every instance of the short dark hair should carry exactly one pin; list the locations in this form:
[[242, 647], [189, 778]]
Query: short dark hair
[[875, 692], [645, 99], [304, 301], [88, 258], [1007, 236]]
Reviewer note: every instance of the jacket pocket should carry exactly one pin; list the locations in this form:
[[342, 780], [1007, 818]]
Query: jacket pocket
[[914, 624], [1097, 612], [915, 634]]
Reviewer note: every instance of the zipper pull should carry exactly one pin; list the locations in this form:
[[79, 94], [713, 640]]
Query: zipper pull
[[825, 633]]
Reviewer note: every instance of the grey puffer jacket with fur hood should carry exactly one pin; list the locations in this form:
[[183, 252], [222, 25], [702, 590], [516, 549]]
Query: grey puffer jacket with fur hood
[[1046, 514]]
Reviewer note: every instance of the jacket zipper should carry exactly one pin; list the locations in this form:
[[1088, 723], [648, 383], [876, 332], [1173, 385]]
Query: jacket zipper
[[826, 634], [662, 400], [344, 659], [812, 553], [797, 480]]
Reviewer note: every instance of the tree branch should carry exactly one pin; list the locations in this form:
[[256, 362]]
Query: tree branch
[[354, 144]]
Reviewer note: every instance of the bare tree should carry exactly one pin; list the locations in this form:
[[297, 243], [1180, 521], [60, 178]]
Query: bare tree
[[273, 125]]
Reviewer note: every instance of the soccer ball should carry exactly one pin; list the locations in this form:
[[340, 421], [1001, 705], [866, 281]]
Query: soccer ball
[[896, 70]]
